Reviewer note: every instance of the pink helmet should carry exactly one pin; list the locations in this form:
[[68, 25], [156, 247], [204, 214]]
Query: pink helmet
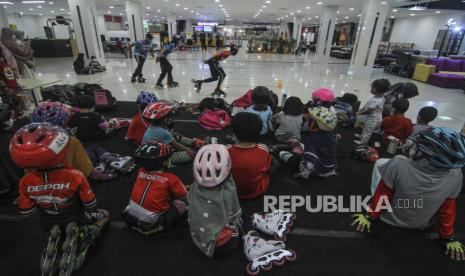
[[323, 94], [212, 165]]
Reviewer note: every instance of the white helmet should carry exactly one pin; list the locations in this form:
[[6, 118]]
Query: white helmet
[[212, 165]]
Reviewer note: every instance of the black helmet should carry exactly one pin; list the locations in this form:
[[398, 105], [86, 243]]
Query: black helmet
[[261, 95], [152, 155]]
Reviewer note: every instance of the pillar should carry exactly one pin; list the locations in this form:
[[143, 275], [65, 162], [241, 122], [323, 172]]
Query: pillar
[[283, 28], [84, 16], [297, 30], [134, 17], [369, 33], [3, 18], [326, 34], [189, 28], [171, 21]]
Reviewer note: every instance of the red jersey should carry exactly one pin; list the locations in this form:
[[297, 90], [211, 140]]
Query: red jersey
[[250, 170], [397, 126], [54, 191], [137, 128], [152, 193]]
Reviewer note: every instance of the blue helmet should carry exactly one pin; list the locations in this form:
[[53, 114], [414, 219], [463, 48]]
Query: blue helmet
[[54, 113], [443, 147], [145, 98]]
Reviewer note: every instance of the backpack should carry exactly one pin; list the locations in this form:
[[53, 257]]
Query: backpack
[[214, 119], [65, 94], [104, 100], [87, 88], [246, 101]]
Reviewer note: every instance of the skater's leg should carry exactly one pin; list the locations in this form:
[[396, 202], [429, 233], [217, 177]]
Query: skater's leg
[[215, 74], [221, 76], [141, 66], [169, 70], [138, 68], [163, 68], [368, 129]]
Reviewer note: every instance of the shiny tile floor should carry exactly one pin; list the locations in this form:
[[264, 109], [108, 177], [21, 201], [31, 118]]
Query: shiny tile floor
[[300, 76]]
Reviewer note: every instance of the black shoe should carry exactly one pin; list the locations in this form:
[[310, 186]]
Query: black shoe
[[141, 79], [173, 84], [159, 85], [197, 84], [133, 80]]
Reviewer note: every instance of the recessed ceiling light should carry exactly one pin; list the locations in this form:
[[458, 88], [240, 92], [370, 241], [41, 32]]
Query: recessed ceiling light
[[121, 14], [50, 3], [316, 16], [111, 7], [394, 10], [40, 14], [307, 8], [264, 6], [39, 7], [260, 10], [192, 11], [158, 10], [148, 8], [31, 9], [299, 11], [412, 14], [220, 5], [223, 9], [438, 11], [186, 8], [292, 13], [392, 16], [177, 4], [338, 12], [351, 9], [52, 11], [359, 15], [32, 2], [383, 3], [217, 1], [267, 1], [319, 3], [62, 9], [346, 17], [108, 12]]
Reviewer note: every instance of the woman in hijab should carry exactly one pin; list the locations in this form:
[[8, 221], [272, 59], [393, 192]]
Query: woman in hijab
[[21, 50]]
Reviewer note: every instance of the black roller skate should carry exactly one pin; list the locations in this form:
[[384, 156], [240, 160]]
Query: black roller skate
[[141, 80], [218, 92], [197, 84], [159, 86], [69, 248], [133, 80], [51, 252], [173, 84]]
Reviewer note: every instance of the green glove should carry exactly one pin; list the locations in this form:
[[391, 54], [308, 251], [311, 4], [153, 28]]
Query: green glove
[[362, 222], [455, 250]]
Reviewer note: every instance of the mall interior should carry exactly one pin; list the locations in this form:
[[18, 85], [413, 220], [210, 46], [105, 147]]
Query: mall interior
[[341, 104]]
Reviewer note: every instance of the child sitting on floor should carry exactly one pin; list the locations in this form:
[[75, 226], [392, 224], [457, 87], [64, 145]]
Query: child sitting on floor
[[319, 141], [158, 198], [138, 125], [90, 125], [160, 129], [95, 65], [322, 97], [425, 116], [251, 162], [214, 210], [80, 66], [260, 107], [372, 113], [397, 125], [288, 123]]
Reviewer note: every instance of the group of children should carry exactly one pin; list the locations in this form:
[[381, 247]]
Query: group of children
[[225, 174], [94, 66]]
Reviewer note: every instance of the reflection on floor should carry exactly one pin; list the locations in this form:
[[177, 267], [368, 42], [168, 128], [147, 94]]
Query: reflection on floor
[[300, 76]]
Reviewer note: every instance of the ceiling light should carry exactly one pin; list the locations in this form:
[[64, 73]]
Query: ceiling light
[[309, 18], [50, 3], [31, 9], [299, 11], [52, 11], [186, 8], [40, 14], [307, 8], [39, 7], [351, 9], [359, 15], [192, 11], [111, 7], [145, 14], [177, 4], [197, 13], [5, 3], [267, 1], [412, 14], [417, 8], [108, 12], [148, 8], [438, 11], [346, 17], [223, 9], [393, 16], [217, 1], [292, 13], [220, 5], [263, 6], [383, 3], [316, 16], [121, 14], [62, 9], [394, 10], [158, 10], [319, 3], [32, 2]]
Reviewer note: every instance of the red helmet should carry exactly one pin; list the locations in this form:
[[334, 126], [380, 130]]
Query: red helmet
[[156, 111], [39, 146]]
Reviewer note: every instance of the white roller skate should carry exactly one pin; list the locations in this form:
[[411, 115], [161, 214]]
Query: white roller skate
[[264, 254], [277, 223], [123, 164], [50, 253]]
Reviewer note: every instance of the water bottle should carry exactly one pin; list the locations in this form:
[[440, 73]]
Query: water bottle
[[284, 98]]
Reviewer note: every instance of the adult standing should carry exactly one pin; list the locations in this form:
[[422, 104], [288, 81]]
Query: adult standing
[[399, 90], [141, 50], [166, 67], [203, 41]]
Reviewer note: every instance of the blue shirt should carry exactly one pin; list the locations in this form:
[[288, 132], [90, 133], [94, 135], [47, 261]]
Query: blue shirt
[[167, 49], [143, 47], [157, 133], [264, 116]]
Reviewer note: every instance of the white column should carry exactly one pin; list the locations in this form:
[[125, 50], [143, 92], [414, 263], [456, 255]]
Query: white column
[[326, 34], [84, 16], [369, 35], [3, 18], [283, 28], [297, 30], [171, 19], [134, 17], [189, 26]]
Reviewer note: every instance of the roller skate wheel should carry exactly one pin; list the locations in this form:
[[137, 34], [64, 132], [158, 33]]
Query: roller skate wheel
[[279, 262], [283, 238], [50, 251], [64, 262], [55, 232], [70, 228], [267, 267], [67, 246], [47, 267], [293, 256], [250, 271]]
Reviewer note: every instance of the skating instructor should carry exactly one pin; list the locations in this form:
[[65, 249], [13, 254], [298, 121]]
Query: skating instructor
[[141, 50], [165, 66], [217, 72]]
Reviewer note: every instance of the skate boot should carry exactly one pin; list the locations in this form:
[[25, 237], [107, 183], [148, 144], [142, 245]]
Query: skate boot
[[263, 254], [219, 92], [297, 147], [108, 157], [133, 80], [197, 84], [276, 223], [50, 253], [69, 248], [173, 84], [141, 79], [159, 86], [123, 164]]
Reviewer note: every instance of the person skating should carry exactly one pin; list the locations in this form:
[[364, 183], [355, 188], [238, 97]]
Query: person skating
[[141, 50], [217, 72], [61, 195], [165, 66]]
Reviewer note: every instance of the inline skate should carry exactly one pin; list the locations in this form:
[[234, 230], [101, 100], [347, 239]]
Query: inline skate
[[277, 223], [51, 251]]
